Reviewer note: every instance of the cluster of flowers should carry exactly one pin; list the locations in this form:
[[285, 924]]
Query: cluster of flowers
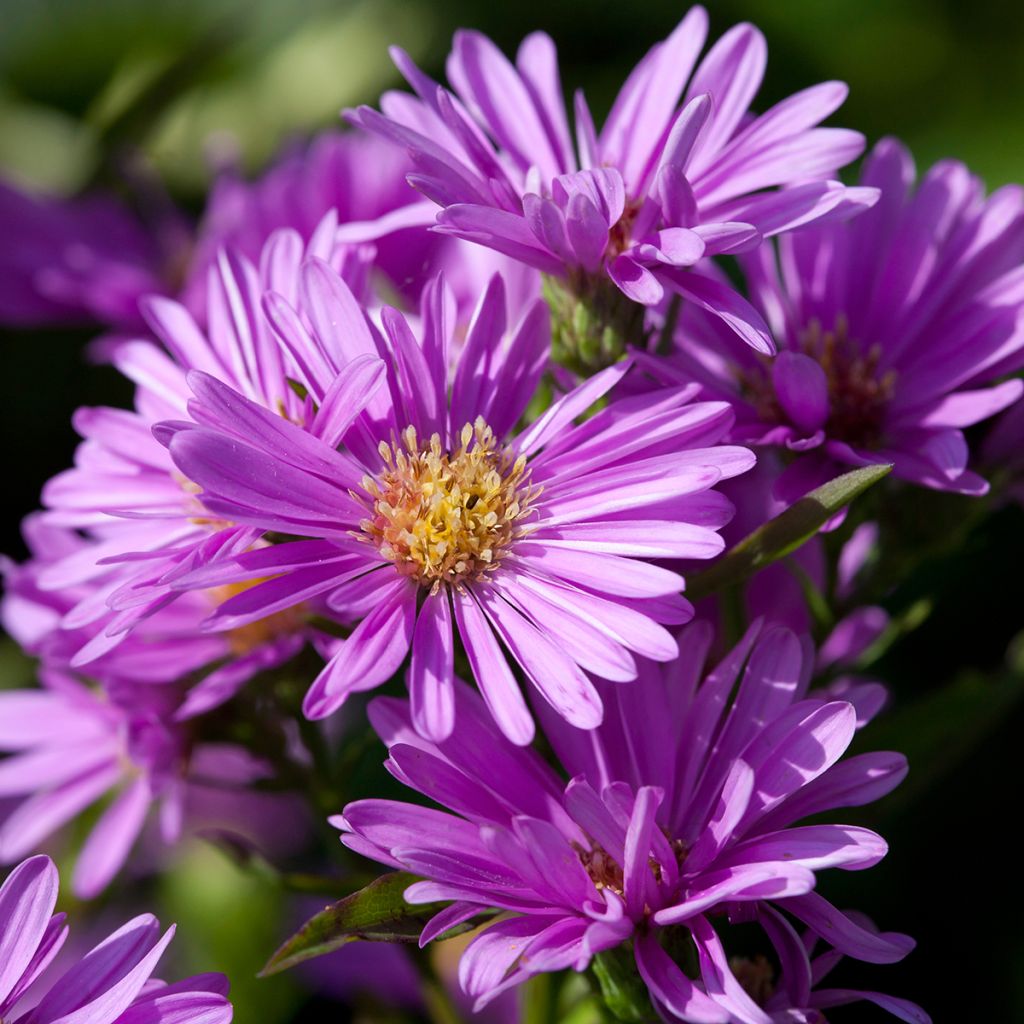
[[481, 429]]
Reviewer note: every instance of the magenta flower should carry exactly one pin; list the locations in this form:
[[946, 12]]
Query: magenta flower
[[794, 992], [895, 330], [682, 804], [140, 515], [349, 176], [660, 188], [69, 747], [112, 984], [81, 260], [437, 515], [93, 259]]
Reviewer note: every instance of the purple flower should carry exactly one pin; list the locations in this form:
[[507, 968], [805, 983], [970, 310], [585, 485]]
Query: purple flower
[[69, 747], [80, 260], [142, 520], [682, 804], [437, 515], [112, 984], [659, 189], [92, 259], [793, 993], [356, 176], [894, 331]]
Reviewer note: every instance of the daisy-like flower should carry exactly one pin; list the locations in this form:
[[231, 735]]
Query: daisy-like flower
[[124, 492], [894, 330], [680, 171], [112, 984], [70, 746], [794, 992], [684, 803], [438, 515], [92, 259]]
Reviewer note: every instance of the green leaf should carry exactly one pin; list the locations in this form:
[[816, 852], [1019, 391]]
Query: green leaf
[[785, 533], [377, 913], [623, 990]]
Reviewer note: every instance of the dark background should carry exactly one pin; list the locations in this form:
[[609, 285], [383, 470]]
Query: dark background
[[948, 77]]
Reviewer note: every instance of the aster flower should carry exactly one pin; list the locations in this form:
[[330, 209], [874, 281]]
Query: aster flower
[[70, 747], [112, 984], [635, 207], [75, 260], [356, 176], [93, 258], [683, 804], [140, 515], [895, 330], [437, 515], [794, 992]]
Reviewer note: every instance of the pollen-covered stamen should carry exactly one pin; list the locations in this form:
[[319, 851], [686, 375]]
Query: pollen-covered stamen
[[448, 517], [194, 509], [604, 871], [858, 393]]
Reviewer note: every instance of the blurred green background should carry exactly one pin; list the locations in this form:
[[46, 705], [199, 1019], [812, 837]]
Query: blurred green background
[[194, 82]]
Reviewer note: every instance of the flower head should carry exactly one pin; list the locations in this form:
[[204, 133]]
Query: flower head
[[683, 804], [680, 171], [112, 984], [71, 746], [437, 513], [94, 258], [895, 330], [77, 260]]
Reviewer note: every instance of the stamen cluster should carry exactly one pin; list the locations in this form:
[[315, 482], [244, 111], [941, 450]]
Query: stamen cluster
[[448, 517], [857, 392]]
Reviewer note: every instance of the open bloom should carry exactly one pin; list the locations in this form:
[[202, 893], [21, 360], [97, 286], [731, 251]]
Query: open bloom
[[894, 331], [438, 514], [660, 188], [682, 804], [139, 514], [70, 747], [92, 259], [112, 984]]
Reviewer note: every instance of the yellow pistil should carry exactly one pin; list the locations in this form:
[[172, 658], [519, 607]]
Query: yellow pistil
[[447, 517]]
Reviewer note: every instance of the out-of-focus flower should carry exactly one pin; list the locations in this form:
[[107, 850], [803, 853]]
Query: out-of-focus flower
[[94, 258], [636, 206], [357, 176], [112, 984], [438, 514], [893, 329], [83, 260], [682, 804], [1003, 451], [143, 522], [70, 747]]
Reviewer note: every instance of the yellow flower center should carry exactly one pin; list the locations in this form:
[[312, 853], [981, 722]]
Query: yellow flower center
[[448, 517]]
